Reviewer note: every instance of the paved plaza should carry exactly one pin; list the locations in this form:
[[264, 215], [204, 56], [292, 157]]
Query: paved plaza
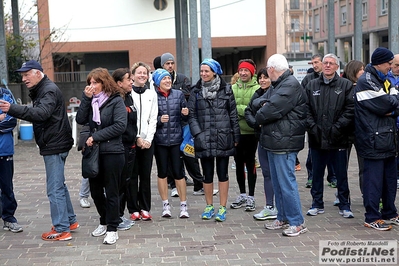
[[240, 240]]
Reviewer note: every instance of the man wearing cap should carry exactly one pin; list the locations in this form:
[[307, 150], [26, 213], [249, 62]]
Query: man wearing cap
[[53, 135], [182, 83], [243, 90], [376, 109], [329, 125]]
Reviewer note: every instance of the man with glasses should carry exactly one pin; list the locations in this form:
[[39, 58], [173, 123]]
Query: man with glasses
[[317, 64], [329, 125], [376, 110]]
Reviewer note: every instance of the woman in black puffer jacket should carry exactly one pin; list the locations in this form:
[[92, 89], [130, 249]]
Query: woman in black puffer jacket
[[214, 125], [103, 108]]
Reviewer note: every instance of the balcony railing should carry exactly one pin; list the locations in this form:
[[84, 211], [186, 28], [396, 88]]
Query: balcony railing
[[70, 76]]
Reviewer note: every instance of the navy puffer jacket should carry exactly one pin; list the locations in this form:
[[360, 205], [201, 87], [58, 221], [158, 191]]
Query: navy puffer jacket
[[374, 129], [170, 133]]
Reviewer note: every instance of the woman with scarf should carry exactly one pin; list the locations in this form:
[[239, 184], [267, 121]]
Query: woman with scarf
[[103, 108], [214, 125], [168, 137]]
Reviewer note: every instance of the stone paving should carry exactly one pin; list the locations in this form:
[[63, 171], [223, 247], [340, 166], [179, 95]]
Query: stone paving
[[240, 240]]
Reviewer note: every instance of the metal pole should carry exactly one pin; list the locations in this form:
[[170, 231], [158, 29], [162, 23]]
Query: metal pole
[[194, 41], [305, 35], [206, 42], [179, 54], [185, 53], [3, 48], [15, 17], [393, 29], [358, 36], [294, 46], [331, 27]]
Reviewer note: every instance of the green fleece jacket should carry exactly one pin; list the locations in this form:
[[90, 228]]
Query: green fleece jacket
[[243, 93]]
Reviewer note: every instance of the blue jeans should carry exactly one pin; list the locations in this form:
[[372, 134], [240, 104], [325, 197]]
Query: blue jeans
[[84, 191], [61, 210], [282, 172], [339, 161], [267, 181]]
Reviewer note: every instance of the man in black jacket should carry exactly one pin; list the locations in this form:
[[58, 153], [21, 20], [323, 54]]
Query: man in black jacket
[[53, 135], [317, 67], [376, 109], [329, 125], [282, 116]]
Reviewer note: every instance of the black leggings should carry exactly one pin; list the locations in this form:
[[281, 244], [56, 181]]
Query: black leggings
[[168, 161], [245, 156], [208, 168]]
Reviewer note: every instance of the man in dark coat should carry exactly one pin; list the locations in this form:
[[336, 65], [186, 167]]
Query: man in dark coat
[[329, 125], [376, 109], [53, 135], [282, 116]]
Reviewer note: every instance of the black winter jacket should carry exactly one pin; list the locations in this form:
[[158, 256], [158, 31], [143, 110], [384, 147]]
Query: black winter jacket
[[170, 133], [330, 113], [251, 111], [182, 83], [282, 115], [129, 136], [53, 133], [113, 122], [213, 123], [374, 129], [309, 77]]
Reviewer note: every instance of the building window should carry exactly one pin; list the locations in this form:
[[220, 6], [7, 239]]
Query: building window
[[364, 9], [295, 47], [160, 4], [343, 15], [295, 24], [384, 7], [317, 23], [310, 23], [294, 4]]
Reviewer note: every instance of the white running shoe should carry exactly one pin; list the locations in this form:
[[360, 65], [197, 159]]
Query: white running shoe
[[100, 230], [110, 238]]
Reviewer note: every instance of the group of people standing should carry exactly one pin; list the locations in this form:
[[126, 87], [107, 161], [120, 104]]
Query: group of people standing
[[268, 112]]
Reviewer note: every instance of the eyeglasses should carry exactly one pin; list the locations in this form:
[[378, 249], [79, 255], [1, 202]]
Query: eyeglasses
[[329, 63]]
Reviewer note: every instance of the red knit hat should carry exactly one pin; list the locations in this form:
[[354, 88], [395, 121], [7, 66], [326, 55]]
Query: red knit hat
[[248, 66]]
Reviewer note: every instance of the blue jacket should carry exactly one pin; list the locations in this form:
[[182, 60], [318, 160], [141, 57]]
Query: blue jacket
[[6, 126], [170, 133], [374, 129], [394, 80]]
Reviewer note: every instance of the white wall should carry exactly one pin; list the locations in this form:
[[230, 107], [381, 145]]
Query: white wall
[[95, 20]]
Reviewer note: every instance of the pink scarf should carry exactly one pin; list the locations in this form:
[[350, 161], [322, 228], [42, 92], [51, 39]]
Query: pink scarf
[[96, 103]]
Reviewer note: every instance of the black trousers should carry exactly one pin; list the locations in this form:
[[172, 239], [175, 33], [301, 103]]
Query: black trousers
[[140, 183], [107, 181]]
